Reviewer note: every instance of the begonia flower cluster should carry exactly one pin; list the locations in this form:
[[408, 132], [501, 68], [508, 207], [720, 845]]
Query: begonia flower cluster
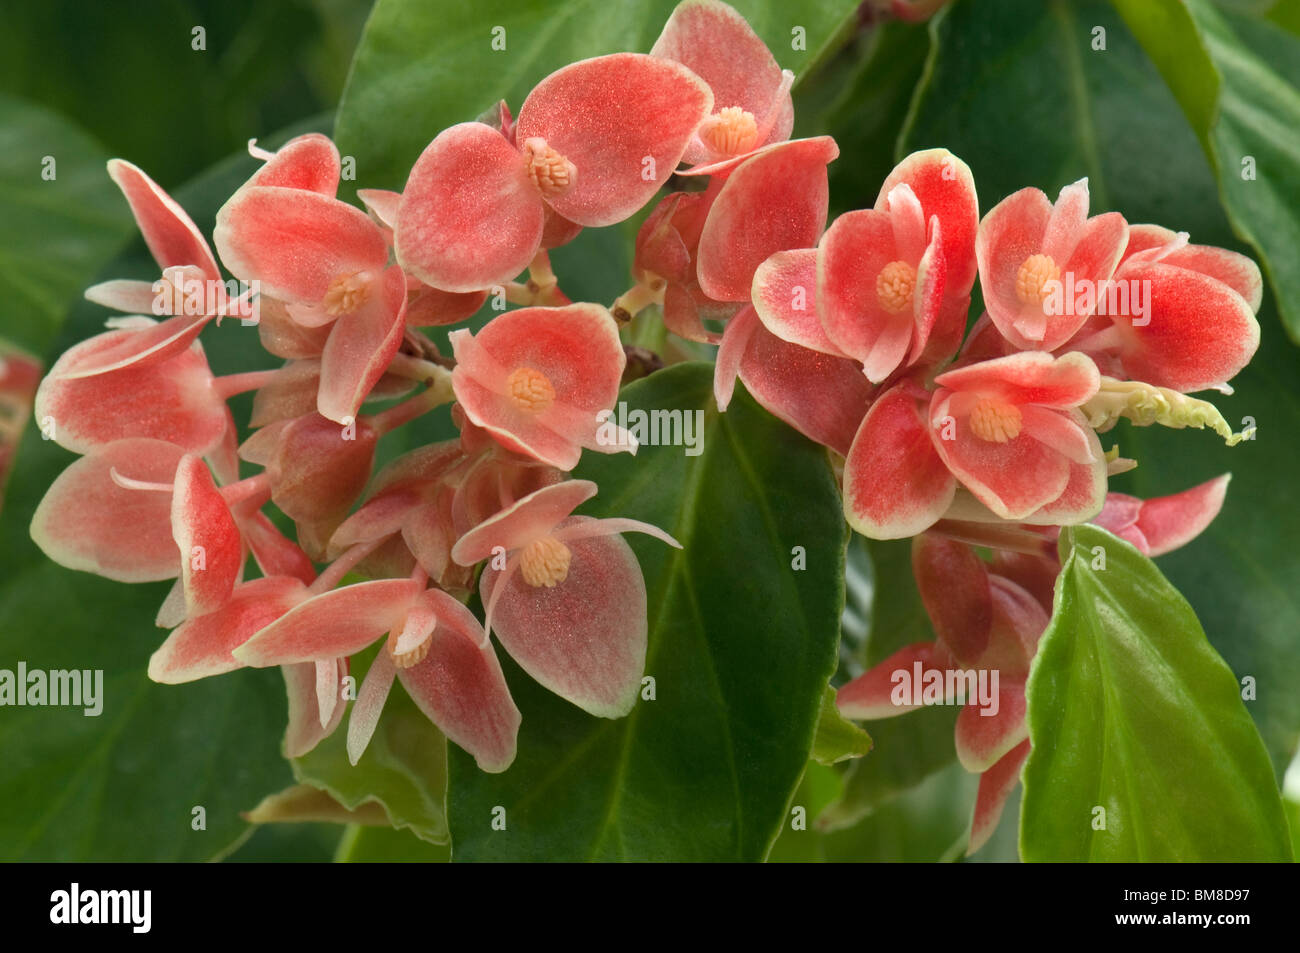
[[969, 437]]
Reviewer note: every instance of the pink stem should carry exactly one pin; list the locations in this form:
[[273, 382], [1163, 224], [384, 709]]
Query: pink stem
[[229, 385], [252, 488], [335, 571]]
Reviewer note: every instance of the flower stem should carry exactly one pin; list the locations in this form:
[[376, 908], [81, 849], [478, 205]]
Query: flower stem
[[438, 392], [229, 385]]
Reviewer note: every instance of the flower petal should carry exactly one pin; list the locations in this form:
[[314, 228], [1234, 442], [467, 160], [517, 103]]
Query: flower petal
[[535, 515], [954, 587], [903, 492], [87, 521], [770, 203], [996, 785], [944, 186], [624, 121], [201, 646], [304, 731], [171, 235], [332, 624], [983, 740], [1029, 377], [584, 638], [211, 547], [460, 687], [361, 347], [470, 215], [872, 694], [785, 297], [309, 162]]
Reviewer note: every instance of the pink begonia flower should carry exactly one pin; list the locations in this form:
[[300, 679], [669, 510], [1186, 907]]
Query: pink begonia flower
[[1199, 328], [1010, 431], [1041, 265], [594, 141], [891, 278], [751, 93], [174, 399], [426, 306], [1161, 524], [327, 262], [536, 378], [984, 623], [777, 348], [565, 595], [435, 647]]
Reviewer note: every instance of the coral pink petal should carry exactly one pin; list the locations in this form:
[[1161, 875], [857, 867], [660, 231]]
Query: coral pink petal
[[309, 162], [201, 646], [297, 243], [1169, 522], [1029, 377], [470, 216], [173, 400], [536, 514], [210, 545], [954, 587], [171, 235], [822, 397], [127, 296], [87, 521], [332, 624], [382, 204], [1065, 225], [304, 731], [361, 347], [785, 296], [433, 307], [731, 352], [945, 188], [1064, 433], [983, 740], [624, 121], [276, 554], [584, 638], [318, 468], [370, 704], [460, 687], [773, 202], [996, 785], [1010, 233], [1199, 332], [872, 695], [140, 347], [903, 492]]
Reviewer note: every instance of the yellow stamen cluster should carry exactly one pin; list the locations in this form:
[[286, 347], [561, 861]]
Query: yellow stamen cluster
[[995, 420], [550, 171], [1033, 276], [895, 285], [530, 390], [347, 293], [731, 131], [545, 562]]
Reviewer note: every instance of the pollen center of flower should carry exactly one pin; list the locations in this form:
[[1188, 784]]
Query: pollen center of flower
[[530, 389], [995, 420], [411, 656], [894, 287], [545, 562], [550, 171], [347, 293], [1033, 276], [730, 131]]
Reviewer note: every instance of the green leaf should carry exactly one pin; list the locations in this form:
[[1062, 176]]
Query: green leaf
[[384, 845], [63, 219], [403, 769], [1133, 712], [422, 67], [837, 739], [1221, 69], [741, 647], [1032, 125]]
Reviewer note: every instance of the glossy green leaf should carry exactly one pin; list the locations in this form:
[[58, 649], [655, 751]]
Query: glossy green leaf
[[1142, 747], [741, 647], [62, 220], [1229, 75], [837, 739], [1066, 111], [403, 769]]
